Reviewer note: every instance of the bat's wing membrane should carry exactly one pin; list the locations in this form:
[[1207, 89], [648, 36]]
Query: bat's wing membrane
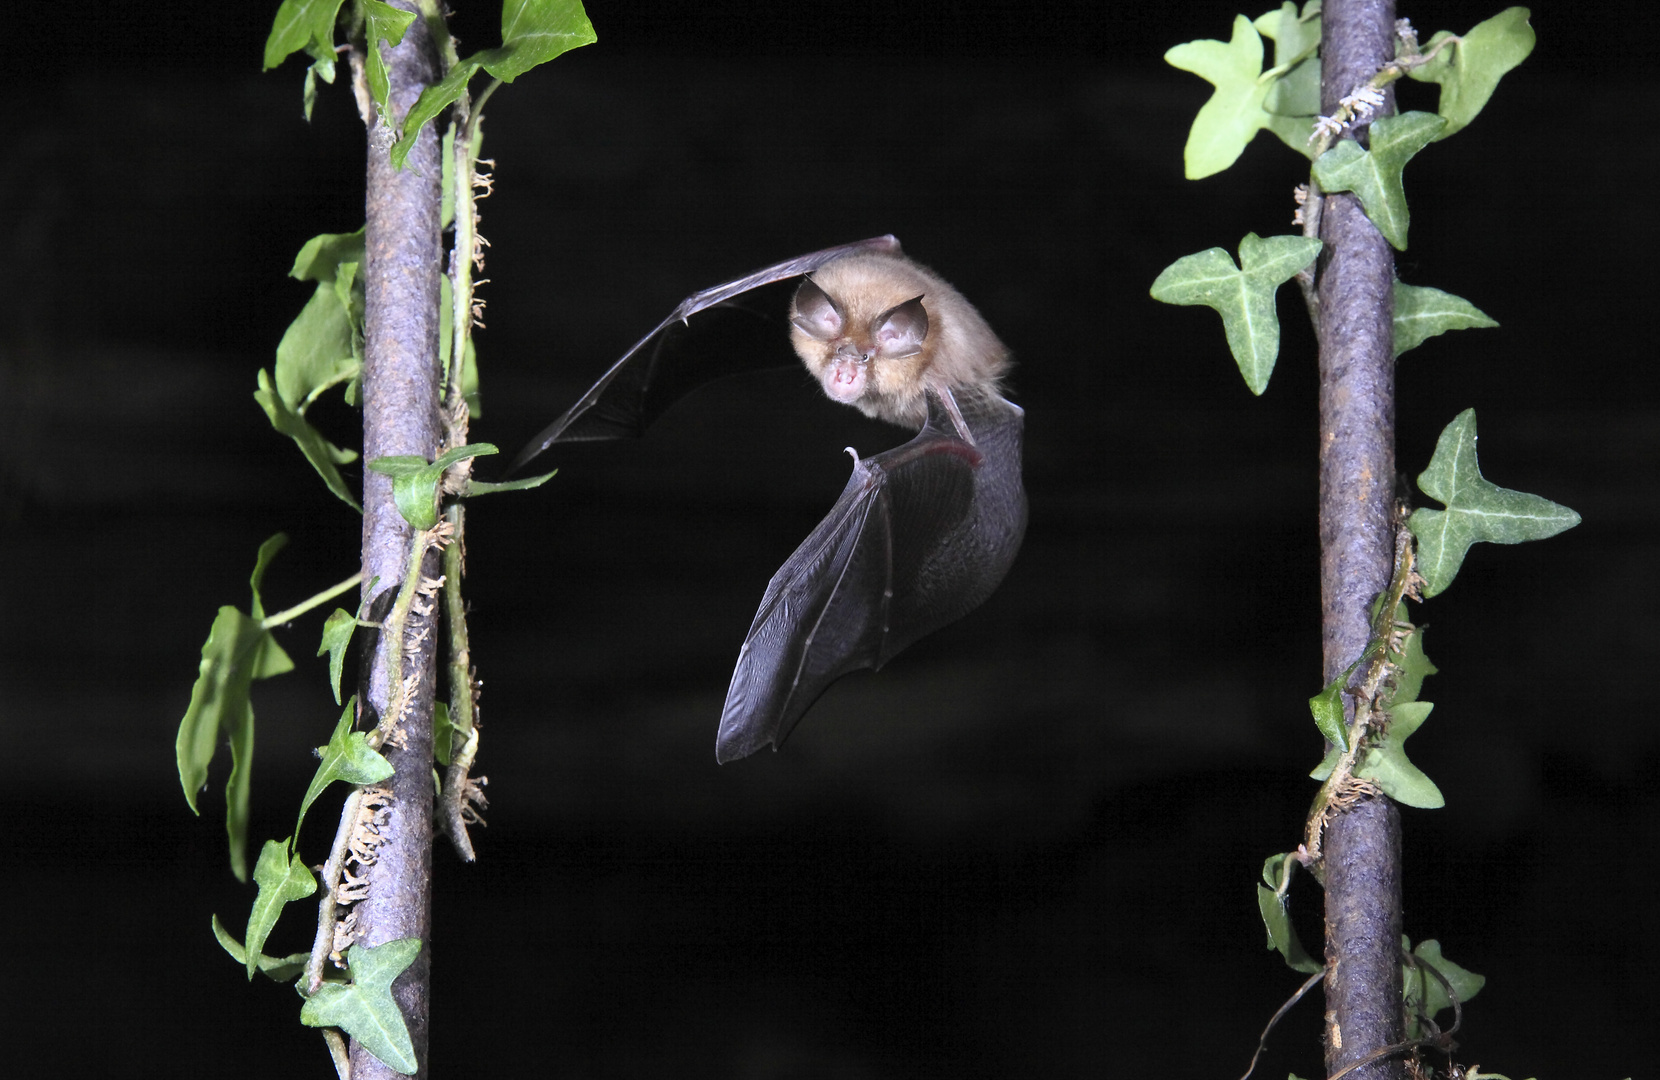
[[739, 327], [921, 535]]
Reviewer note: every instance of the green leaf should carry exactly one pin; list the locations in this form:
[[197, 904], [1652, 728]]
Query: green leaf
[[536, 31], [484, 487], [1476, 509], [239, 733], [1327, 764], [469, 358], [1423, 993], [278, 968], [1297, 92], [262, 561], [364, 1008], [433, 100], [323, 346], [1293, 131], [1228, 122], [1282, 937], [1327, 707], [1411, 668], [416, 496], [322, 454], [443, 733], [1375, 175], [347, 757], [301, 24], [316, 350], [415, 482], [532, 33], [237, 651], [1421, 313], [1244, 298], [281, 879], [337, 635], [1271, 903], [1386, 765], [1470, 70], [382, 22], [321, 256]]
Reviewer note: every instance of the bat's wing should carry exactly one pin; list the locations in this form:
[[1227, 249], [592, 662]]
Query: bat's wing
[[738, 327], [921, 535]]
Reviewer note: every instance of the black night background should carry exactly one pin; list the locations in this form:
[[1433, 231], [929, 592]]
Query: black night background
[[1027, 847]]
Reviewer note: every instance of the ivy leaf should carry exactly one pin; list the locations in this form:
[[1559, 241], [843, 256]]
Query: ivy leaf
[[278, 968], [324, 345], [347, 757], [337, 635], [443, 733], [1421, 313], [1375, 175], [364, 1008], [1327, 707], [238, 650], [1386, 765], [1411, 668], [1244, 298], [301, 24], [1423, 993], [469, 357], [321, 257], [382, 22], [1470, 70], [1282, 936], [532, 33], [1321, 771], [485, 487], [316, 350], [322, 66], [1476, 509], [282, 879], [1228, 122], [322, 454], [415, 482], [1297, 92]]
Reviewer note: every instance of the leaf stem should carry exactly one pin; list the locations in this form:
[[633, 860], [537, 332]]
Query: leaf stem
[[323, 943], [458, 790], [289, 614]]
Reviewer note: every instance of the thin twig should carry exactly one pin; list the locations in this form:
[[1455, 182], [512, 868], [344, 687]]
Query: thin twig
[[1262, 1043]]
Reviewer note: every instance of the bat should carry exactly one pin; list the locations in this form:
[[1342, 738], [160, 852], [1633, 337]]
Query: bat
[[921, 535]]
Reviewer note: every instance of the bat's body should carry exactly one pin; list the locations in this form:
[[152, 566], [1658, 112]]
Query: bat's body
[[921, 535]]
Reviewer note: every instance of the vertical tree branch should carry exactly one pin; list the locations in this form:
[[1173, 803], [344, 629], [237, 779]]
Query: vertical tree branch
[[401, 415], [1357, 487]]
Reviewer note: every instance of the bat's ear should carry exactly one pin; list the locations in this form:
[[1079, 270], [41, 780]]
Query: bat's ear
[[900, 330], [815, 313]]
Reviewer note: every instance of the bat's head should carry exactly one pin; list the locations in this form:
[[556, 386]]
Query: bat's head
[[878, 331], [861, 325]]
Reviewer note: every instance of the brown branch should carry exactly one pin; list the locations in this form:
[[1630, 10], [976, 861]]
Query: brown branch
[[401, 415], [1357, 489]]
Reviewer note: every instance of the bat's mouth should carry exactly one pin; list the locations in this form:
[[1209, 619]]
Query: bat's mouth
[[848, 376]]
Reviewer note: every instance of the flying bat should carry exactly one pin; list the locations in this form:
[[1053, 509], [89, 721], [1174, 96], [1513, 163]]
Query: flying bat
[[921, 535]]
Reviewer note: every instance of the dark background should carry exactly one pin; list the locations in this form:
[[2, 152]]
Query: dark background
[[1028, 846]]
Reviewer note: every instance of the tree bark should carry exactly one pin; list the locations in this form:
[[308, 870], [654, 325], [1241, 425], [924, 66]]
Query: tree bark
[[1357, 536], [401, 415]]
